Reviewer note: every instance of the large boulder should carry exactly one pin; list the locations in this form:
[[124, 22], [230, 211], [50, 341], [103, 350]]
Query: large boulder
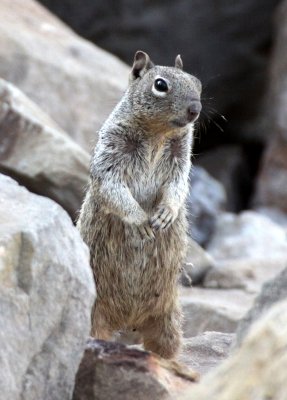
[[272, 292], [75, 82], [226, 44], [46, 294], [272, 180], [257, 370], [36, 153]]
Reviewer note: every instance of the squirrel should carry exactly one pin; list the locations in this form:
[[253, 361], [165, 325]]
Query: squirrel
[[133, 215]]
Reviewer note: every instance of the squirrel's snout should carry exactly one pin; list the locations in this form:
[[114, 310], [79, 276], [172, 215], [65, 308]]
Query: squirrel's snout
[[193, 110]]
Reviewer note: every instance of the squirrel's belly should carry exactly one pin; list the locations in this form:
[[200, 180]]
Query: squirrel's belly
[[135, 277]]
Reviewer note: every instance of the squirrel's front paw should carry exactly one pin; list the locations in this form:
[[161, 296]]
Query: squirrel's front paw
[[146, 232], [163, 218]]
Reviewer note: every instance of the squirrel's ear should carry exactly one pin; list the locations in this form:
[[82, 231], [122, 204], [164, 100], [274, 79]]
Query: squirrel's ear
[[142, 63], [178, 62]]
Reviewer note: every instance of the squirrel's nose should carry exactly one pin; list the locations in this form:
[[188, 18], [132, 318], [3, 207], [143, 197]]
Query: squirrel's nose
[[193, 110]]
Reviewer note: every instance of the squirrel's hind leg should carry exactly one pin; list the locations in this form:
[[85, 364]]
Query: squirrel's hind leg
[[162, 334], [100, 328]]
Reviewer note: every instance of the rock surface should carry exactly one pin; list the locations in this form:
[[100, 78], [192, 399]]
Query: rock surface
[[111, 371], [205, 201], [213, 310], [72, 80], [248, 249], [272, 292], [197, 264], [226, 44], [35, 152], [204, 352], [257, 370], [46, 294], [272, 181]]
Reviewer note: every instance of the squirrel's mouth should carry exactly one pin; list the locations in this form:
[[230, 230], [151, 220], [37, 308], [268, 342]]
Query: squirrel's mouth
[[178, 123]]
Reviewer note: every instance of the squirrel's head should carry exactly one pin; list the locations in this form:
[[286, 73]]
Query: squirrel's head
[[164, 96]]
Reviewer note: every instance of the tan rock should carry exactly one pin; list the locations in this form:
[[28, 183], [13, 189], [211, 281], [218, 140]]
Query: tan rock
[[257, 371], [35, 151], [71, 79]]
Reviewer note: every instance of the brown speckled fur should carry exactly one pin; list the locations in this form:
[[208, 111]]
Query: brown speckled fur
[[139, 170]]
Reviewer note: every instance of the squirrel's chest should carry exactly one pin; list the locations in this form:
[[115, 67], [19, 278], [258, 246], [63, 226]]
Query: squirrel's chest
[[148, 167]]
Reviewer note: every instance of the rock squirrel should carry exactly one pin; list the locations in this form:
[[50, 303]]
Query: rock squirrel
[[133, 215]]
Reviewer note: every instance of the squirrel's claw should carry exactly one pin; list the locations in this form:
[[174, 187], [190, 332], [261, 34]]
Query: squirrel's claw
[[162, 219], [146, 232]]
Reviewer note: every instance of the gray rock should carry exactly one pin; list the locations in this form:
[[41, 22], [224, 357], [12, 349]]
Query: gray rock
[[213, 310], [272, 292], [206, 200], [247, 235], [46, 294], [35, 152], [248, 250], [206, 351], [110, 371], [271, 188], [196, 265], [227, 44], [72, 80], [257, 370]]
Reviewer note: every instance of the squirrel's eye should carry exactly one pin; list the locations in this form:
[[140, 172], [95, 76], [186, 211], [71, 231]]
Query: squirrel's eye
[[161, 85]]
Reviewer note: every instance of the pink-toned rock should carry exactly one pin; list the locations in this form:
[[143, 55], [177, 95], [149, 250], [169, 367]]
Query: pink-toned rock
[[110, 371]]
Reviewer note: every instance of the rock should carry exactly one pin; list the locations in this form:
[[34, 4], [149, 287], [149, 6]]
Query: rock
[[46, 295], [204, 352], [248, 249], [246, 235], [257, 370], [196, 265], [72, 80], [111, 371], [213, 310], [205, 201], [227, 45], [276, 215], [272, 180], [272, 292], [35, 152]]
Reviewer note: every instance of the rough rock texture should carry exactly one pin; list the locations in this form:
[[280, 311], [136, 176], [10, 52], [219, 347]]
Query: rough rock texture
[[72, 80], [225, 43], [46, 294], [197, 264], [35, 152], [248, 249], [110, 371], [213, 310], [204, 352], [247, 235], [257, 370], [206, 200], [273, 291], [272, 181]]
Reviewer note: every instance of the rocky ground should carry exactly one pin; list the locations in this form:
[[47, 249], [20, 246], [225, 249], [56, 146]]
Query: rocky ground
[[55, 90]]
